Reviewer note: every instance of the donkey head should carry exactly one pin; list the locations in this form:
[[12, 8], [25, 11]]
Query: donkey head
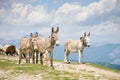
[[33, 41], [86, 40], [54, 36]]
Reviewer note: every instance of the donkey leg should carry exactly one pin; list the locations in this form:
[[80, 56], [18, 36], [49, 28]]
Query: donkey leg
[[51, 60], [36, 58], [41, 60], [27, 57], [33, 58], [45, 56], [20, 56], [66, 54], [79, 56], [83, 58]]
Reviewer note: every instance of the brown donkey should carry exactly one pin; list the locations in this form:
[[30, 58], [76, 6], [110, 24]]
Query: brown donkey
[[27, 47], [46, 45]]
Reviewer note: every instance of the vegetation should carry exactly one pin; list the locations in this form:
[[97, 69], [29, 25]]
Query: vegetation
[[104, 67], [46, 72]]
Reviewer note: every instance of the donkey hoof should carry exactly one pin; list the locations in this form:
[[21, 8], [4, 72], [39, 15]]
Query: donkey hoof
[[68, 62], [52, 68], [83, 62]]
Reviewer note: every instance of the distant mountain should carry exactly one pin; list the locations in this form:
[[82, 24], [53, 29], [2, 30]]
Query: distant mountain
[[4, 42], [109, 54], [16, 42], [106, 53], [114, 66]]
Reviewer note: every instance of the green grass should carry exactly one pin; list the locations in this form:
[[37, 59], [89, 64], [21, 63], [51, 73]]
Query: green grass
[[95, 65], [46, 72], [7, 64], [104, 67]]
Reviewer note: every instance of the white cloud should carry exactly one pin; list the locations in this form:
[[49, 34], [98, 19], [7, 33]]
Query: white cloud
[[72, 13], [25, 14], [106, 28], [38, 14], [2, 11], [104, 32], [20, 9]]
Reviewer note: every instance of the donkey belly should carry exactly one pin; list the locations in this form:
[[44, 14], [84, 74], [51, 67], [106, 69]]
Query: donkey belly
[[73, 50]]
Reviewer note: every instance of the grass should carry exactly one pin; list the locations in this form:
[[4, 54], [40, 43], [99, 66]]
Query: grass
[[95, 65], [46, 72], [104, 67]]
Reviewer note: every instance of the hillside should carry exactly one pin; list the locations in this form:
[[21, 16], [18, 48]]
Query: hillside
[[10, 70]]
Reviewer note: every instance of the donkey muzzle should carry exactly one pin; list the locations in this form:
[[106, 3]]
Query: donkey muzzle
[[88, 46], [57, 43], [35, 47]]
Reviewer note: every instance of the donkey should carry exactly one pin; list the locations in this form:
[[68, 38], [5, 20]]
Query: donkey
[[46, 45], [34, 46], [27, 47], [76, 46]]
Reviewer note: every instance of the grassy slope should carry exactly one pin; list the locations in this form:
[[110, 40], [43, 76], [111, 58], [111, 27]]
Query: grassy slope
[[96, 65], [104, 67], [46, 72]]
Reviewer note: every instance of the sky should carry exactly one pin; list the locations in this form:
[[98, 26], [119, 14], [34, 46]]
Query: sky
[[73, 17]]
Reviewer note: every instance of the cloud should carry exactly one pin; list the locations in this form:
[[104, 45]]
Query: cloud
[[106, 28], [25, 14], [72, 13], [104, 32], [38, 14], [20, 9]]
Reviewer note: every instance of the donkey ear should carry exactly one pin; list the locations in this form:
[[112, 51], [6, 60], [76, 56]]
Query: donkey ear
[[36, 34], [31, 35], [84, 34], [52, 29], [89, 34], [57, 29]]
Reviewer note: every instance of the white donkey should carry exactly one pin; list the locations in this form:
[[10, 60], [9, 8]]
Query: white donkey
[[76, 46]]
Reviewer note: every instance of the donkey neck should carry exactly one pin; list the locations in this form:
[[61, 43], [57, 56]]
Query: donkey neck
[[82, 44], [50, 41]]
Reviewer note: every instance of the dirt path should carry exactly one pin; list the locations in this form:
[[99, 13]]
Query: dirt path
[[88, 69], [60, 66]]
